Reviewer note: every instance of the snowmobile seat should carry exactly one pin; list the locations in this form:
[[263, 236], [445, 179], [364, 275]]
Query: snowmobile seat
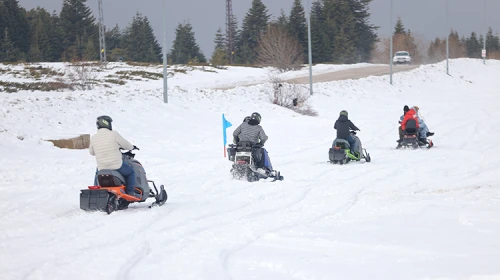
[[341, 143], [110, 178], [411, 127], [244, 146]]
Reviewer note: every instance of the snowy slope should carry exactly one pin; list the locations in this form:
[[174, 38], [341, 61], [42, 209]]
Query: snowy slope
[[432, 214]]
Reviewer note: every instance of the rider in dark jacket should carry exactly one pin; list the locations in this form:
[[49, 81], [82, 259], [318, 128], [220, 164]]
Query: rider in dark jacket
[[343, 126]]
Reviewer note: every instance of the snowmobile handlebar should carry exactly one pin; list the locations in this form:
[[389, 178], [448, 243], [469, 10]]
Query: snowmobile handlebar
[[134, 148]]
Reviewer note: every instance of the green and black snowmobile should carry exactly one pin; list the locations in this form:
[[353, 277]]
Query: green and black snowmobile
[[341, 153]]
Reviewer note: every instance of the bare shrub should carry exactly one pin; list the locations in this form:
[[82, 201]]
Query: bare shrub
[[457, 49], [40, 71], [291, 96], [494, 55], [437, 49], [38, 86], [142, 74], [378, 54], [278, 49], [82, 74]]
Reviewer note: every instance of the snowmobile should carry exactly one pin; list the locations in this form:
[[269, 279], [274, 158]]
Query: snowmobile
[[245, 157], [341, 153], [411, 138], [108, 193]]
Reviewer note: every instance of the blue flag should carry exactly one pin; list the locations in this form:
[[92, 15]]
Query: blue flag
[[225, 124]]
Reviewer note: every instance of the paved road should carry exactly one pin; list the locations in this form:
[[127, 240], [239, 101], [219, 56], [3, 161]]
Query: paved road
[[355, 73]]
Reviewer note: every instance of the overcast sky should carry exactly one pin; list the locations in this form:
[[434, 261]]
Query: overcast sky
[[425, 17]]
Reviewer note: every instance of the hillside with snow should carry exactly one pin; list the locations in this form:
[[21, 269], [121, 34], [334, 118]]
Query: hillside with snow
[[424, 214]]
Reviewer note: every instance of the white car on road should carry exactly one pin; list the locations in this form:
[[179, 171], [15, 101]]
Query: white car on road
[[402, 57]]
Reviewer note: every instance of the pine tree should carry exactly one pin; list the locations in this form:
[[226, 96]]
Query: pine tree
[[297, 24], [364, 35], [437, 50], [13, 17], [219, 55], [254, 25], [56, 35], [3, 19], [154, 50], [8, 52], [42, 29], [220, 40], [320, 41], [399, 27], [343, 47], [114, 38], [78, 26], [185, 49], [90, 52], [481, 41], [492, 41], [140, 42], [330, 27], [473, 46], [114, 44], [282, 21], [343, 51], [403, 40], [233, 26]]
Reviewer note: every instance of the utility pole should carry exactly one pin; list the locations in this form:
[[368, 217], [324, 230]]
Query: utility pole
[[165, 48], [309, 45], [390, 51], [229, 30], [447, 39], [102, 35], [485, 34]]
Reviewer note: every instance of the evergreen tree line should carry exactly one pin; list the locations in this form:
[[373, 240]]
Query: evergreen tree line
[[340, 32], [73, 34], [471, 46], [405, 40]]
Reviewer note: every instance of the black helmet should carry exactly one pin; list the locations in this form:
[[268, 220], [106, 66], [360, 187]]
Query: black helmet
[[104, 122], [247, 118], [406, 108], [344, 113], [257, 117]]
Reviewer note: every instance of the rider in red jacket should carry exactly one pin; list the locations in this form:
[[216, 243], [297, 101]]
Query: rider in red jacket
[[410, 115]]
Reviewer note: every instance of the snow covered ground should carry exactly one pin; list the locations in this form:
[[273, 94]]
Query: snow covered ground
[[426, 214]]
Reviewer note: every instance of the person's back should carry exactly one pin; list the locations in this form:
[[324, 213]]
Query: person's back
[[105, 145], [409, 115], [250, 131], [343, 126]]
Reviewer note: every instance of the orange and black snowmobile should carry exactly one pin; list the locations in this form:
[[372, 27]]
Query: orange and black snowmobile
[[108, 193]]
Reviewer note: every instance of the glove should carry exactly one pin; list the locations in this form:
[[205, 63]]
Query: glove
[[135, 148]]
